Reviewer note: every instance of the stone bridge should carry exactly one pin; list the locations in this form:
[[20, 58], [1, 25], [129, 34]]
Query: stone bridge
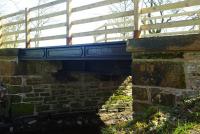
[[164, 70], [153, 62]]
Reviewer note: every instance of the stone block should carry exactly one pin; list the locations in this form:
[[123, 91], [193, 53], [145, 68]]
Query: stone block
[[177, 43], [167, 99], [8, 68], [159, 73], [76, 105], [34, 80], [42, 67], [39, 90], [49, 99], [155, 95], [22, 109], [158, 55], [104, 94], [61, 98], [140, 93], [140, 107], [26, 89], [12, 80], [44, 94], [70, 92], [18, 89], [13, 89], [57, 92], [33, 99], [16, 98], [91, 103], [42, 86], [192, 70], [32, 95], [42, 108], [9, 52]]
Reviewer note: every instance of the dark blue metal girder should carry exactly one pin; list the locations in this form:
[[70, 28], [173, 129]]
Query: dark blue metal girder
[[95, 51], [104, 58]]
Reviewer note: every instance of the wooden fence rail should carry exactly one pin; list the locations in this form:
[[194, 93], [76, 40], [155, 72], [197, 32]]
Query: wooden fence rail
[[140, 22]]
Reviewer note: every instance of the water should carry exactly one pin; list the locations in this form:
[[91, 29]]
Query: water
[[67, 130], [79, 123]]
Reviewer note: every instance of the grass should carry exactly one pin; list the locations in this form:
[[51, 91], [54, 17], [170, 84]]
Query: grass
[[184, 119], [184, 128]]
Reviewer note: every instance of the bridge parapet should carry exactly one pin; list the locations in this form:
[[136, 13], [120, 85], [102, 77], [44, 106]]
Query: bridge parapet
[[165, 70]]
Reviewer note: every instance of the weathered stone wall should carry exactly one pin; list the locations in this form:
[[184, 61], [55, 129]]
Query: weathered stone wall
[[158, 81], [162, 76], [39, 86]]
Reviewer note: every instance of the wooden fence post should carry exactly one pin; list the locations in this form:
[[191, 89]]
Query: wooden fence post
[[68, 25], [106, 35], [198, 14], [95, 39], [137, 30], [145, 22], [27, 30], [1, 32]]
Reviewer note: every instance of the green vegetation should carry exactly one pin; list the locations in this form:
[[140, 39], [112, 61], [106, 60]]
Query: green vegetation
[[121, 98], [22, 109], [183, 119], [188, 128], [118, 100], [158, 55]]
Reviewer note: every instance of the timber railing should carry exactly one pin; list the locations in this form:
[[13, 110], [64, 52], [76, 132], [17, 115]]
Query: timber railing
[[144, 20], [184, 18], [122, 35], [22, 25]]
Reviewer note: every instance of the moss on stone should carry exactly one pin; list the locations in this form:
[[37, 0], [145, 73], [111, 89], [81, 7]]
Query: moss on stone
[[33, 99], [158, 55], [13, 89], [9, 52], [22, 109], [16, 98], [159, 73], [121, 99]]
